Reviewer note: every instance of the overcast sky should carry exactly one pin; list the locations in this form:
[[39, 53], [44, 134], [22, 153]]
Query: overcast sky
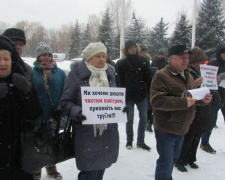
[[54, 13]]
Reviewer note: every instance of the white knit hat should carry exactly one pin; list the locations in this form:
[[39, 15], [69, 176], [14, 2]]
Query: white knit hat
[[93, 49], [42, 49]]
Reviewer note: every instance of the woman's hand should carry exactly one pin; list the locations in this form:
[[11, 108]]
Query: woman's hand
[[21, 83], [207, 98], [198, 81]]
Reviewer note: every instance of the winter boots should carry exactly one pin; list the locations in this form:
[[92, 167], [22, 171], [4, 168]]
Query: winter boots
[[51, 170], [208, 148]]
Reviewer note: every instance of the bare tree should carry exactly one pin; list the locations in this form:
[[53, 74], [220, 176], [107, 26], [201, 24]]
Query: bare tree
[[115, 12], [94, 23], [35, 32], [3, 27]]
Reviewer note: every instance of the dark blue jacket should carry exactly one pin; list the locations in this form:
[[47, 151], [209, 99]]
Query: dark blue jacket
[[92, 153]]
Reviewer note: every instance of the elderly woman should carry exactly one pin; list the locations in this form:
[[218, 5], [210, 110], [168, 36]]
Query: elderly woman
[[101, 141], [49, 81], [18, 103]]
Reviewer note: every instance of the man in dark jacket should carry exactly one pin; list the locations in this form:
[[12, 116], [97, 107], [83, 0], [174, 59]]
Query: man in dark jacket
[[216, 105], [160, 62], [172, 113], [135, 75]]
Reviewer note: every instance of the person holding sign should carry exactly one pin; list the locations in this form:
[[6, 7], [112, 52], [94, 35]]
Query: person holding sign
[[97, 145], [218, 102], [202, 120], [172, 113]]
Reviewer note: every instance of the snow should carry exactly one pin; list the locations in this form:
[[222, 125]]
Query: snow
[[137, 164]]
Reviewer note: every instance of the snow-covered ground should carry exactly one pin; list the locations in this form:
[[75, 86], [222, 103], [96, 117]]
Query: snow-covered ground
[[137, 164]]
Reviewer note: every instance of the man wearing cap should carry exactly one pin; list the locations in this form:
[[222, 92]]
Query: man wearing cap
[[172, 113], [134, 74], [18, 37], [160, 61]]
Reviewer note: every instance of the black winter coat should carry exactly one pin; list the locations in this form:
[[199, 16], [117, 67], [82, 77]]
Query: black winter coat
[[159, 63], [135, 75], [14, 108], [219, 62]]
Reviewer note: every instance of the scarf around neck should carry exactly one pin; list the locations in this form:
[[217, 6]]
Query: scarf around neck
[[47, 73], [98, 78]]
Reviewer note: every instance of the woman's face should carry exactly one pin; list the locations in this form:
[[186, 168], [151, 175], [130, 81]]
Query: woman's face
[[45, 58], [98, 60], [5, 63]]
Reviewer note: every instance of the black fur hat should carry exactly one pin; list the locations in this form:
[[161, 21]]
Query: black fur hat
[[178, 50], [15, 34]]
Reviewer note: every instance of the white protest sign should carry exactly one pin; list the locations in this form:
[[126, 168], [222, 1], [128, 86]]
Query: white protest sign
[[209, 74], [103, 105]]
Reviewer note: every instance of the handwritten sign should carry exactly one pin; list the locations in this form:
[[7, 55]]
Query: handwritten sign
[[209, 74], [103, 105]]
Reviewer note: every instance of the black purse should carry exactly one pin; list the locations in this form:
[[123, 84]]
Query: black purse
[[36, 149], [64, 142]]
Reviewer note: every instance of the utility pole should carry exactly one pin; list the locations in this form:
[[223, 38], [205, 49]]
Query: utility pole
[[122, 25], [194, 25]]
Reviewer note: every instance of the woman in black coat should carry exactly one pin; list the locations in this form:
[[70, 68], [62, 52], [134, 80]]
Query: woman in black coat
[[18, 102]]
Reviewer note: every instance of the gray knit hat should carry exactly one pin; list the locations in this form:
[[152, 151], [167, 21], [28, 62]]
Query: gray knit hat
[[42, 49], [93, 49]]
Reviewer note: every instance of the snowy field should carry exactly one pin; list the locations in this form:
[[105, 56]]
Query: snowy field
[[137, 164]]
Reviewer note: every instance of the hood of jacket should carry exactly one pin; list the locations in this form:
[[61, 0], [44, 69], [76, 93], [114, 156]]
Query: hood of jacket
[[124, 53]]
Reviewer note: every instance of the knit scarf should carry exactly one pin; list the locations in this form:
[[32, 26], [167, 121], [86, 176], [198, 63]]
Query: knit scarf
[[98, 78], [47, 73]]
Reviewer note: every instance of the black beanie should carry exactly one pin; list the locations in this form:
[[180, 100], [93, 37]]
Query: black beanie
[[129, 43], [7, 44], [15, 34]]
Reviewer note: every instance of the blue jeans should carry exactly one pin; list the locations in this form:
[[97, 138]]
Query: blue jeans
[[168, 147], [91, 175], [206, 135], [142, 108]]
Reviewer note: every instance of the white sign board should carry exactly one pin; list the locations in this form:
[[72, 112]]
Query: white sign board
[[209, 74], [103, 105]]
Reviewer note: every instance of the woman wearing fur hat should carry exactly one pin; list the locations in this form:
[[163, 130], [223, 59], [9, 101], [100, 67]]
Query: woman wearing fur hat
[[49, 81], [18, 102], [202, 120], [96, 146]]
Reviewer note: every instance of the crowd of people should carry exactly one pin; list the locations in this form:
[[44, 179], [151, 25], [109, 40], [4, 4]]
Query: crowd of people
[[155, 86]]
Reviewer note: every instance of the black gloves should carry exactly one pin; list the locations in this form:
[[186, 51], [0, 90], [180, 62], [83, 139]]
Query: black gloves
[[126, 109], [80, 117], [21, 83], [56, 114], [3, 90]]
